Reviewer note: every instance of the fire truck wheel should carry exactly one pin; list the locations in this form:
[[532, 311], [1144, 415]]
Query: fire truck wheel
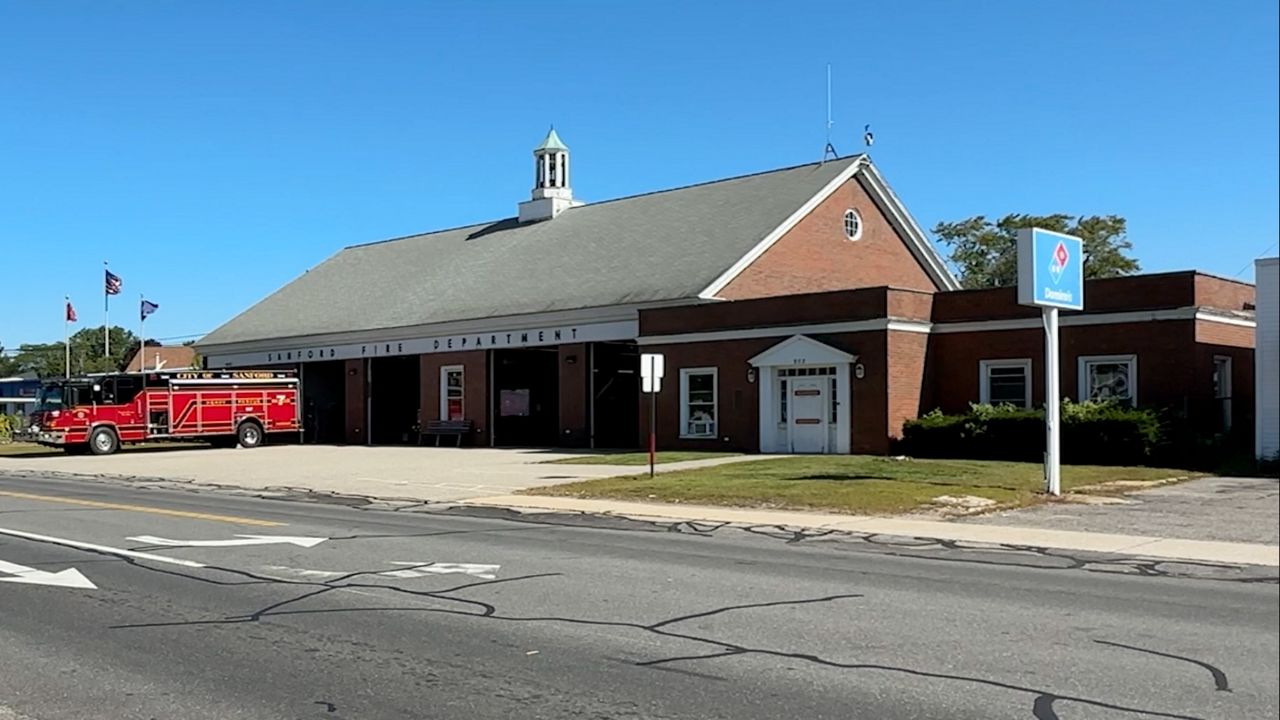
[[103, 441], [249, 434]]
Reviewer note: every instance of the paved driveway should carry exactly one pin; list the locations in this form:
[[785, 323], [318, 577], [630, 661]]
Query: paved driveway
[[417, 473], [1220, 509]]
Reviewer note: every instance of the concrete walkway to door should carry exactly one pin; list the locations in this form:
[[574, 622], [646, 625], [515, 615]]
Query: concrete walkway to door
[[409, 473]]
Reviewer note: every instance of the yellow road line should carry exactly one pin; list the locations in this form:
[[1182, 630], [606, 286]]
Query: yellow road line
[[142, 508]]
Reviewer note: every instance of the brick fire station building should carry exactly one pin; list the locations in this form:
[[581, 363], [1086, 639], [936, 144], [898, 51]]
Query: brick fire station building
[[800, 310]]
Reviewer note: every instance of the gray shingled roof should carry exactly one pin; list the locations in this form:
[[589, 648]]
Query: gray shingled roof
[[659, 246]]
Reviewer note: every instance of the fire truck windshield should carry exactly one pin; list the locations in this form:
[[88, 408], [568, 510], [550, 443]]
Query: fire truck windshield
[[52, 397]]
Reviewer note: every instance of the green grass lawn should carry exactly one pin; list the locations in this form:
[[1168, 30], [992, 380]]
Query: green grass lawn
[[640, 458], [22, 449], [19, 449], [848, 483]]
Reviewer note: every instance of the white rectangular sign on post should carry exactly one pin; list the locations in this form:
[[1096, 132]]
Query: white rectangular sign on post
[[651, 371], [1051, 277], [652, 366]]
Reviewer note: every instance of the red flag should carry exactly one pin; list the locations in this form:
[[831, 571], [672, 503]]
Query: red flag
[[71, 313]]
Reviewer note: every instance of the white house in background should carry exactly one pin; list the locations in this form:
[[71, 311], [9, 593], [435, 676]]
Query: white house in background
[[1267, 358]]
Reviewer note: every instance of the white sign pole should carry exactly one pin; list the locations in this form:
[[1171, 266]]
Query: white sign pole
[[1051, 276], [1052, 405], [653, 429], [652, 368]]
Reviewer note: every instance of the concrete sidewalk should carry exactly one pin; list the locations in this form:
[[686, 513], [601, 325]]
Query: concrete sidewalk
[[1146, 546], [427, 474]]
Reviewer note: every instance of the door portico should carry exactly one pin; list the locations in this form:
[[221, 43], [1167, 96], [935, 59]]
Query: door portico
[[804, 397]]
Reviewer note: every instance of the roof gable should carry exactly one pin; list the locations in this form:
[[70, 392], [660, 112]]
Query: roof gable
[[162, 357], [892, 210], [801, 350]]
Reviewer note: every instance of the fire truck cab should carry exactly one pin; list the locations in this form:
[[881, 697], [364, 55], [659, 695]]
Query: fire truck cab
[[98, 413]]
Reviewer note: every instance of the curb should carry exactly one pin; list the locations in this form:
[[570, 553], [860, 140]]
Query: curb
[[1140, 545]]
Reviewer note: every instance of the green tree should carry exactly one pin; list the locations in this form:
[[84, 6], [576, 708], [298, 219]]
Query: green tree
[[48, 359], [985, 253], [196, 361], [8, 363]]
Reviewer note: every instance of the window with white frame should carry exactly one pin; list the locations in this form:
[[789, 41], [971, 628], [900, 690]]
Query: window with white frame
[[1005, 382], [1222, 390], [1109, 377], [852, 224], [698, 409], [451, 393]]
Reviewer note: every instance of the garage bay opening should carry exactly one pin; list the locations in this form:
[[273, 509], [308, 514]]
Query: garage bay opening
[[615, 388], [324, 404], [394, 397], [526, 397]]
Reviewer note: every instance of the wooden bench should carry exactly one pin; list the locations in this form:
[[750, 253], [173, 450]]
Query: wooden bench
[[441, 428]]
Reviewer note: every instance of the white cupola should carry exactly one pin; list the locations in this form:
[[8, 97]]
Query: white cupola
[[551, 192]]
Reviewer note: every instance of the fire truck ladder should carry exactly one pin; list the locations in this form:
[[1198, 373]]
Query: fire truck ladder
[[157, 419]]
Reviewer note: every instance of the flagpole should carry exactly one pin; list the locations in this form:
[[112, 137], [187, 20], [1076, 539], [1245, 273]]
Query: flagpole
[[106, 312], [66, 333], [142, 343]]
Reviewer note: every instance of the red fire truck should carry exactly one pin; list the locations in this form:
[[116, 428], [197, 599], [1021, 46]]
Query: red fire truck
[[221, 407]]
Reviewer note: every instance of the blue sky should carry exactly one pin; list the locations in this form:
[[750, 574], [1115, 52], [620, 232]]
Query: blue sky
[[214, 151]]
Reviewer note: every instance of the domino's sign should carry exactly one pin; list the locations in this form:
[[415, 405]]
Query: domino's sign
[[1050, 269]]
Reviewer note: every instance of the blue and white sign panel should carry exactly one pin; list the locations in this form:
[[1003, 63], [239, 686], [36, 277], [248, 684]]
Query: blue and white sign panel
[[1050, 269]]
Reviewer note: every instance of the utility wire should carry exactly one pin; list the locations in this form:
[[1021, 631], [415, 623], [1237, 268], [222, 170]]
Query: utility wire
[[1268, 249]]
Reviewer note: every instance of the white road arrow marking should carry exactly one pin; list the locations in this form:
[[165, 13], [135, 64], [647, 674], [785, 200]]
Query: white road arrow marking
[[239, 540], [488, 572], [70, 577], [121, 552]]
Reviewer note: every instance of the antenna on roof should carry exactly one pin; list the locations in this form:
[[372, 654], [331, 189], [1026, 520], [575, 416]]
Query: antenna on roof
[[829, 152]]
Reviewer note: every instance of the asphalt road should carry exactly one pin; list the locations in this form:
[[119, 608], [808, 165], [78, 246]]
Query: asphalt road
[[427, 614], [1243, 510]]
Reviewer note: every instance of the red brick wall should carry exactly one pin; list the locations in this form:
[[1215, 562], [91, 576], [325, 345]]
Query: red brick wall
[[739, 422], [1143, 292], [953, 365], [807, 309], [574, 431], [906, 362], [1224, 294], [909, 304], [738, 425], [355, 402], [475, 384], [869, 415], [1203, 408], [1166, 354], [815, 255], [1216, 333]]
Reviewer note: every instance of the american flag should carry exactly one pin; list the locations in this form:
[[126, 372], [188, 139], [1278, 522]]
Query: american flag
[[71, 313], [113, 283]]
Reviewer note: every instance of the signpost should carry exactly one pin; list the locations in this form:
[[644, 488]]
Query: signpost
[[652, 367], [1051, 277]]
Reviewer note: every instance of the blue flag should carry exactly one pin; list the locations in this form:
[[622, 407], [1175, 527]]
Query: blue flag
[[148, 307]]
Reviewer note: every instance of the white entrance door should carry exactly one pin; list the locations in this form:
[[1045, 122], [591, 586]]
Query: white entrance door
[[808, 423]]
